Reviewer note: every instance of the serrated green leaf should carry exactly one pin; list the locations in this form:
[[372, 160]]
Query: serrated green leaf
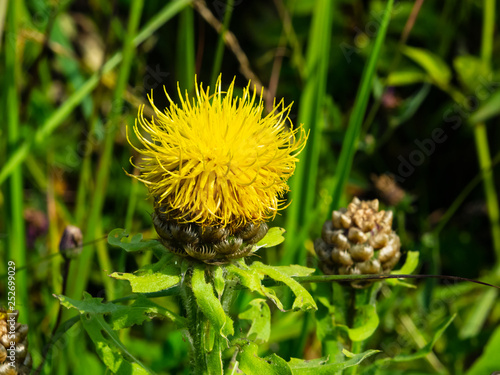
[[273, 237], [154, 277], [119, 237], [121, 316], [303, 300], [271, 294], [321, 366], [260, 315], [295, 270], [150, 282], [89, 304], [250, 363], [209, 304], [141, 310], [111, 351], [368, 321], [435, 67], [249, 279]]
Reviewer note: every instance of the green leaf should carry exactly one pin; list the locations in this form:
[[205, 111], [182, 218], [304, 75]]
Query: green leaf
[[209, 304], [248, 278], [273, 237], [469, 69], [410, 265], [490, 108], [405, 77], [321, 366], [488, 362], [120, 238], [435, 67], [141, 310], [111, 351], [367, 322], [250, 363], [260, 315], [408, 268], [121, 316], [89, 305], [153, 278], [303, 300], [295, 270], [252, 280]]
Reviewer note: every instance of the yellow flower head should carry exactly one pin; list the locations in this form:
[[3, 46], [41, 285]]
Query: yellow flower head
[[217, 160]]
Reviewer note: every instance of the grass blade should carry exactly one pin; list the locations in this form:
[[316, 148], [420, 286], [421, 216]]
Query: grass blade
[[350, 143], [17, 235], [303, 183]]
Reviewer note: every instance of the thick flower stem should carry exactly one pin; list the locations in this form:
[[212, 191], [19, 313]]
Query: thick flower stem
[[196, 322], [207, 344]]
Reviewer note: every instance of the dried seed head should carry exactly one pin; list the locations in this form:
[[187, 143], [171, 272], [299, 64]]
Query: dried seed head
[[15, 333], [358, 240]]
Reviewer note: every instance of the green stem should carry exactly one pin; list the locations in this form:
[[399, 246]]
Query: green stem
[[481, 136], [488, 31], [483, 153], [220, 44], [17, 243], [359, 298], [185, 63], [206, 343], [195, 326]]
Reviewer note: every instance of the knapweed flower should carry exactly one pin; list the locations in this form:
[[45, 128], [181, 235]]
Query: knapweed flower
[[217, 168]]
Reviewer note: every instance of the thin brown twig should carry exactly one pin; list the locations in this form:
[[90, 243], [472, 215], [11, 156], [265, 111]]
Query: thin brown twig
[[275, 76], [230, 41], [411, 21]]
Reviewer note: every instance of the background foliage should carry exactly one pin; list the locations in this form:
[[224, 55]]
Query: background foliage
[[73, 74]]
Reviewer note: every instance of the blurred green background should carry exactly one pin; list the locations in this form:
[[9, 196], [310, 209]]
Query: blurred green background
[[74, 73]]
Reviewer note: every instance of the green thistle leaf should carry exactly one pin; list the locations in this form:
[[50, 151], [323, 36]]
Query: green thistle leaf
[[260, 315]]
